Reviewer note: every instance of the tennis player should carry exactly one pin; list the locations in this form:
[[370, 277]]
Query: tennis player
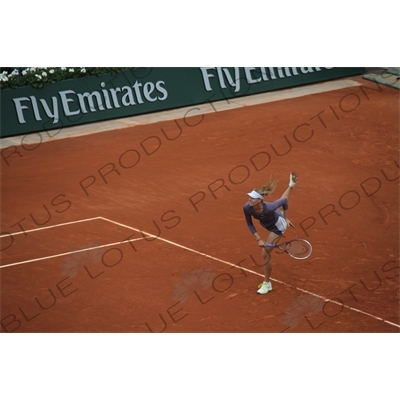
[[271, 218]]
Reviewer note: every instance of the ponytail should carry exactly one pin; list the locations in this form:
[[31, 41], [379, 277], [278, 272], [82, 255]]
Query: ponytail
[[268, 188]]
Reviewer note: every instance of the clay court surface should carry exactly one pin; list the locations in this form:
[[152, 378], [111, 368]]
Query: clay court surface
[[141, 229]]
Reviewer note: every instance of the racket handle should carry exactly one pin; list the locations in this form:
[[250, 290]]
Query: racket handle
[[269, 245]]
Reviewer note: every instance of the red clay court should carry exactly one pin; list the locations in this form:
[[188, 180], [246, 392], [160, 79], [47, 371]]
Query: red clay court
[[141, 229]]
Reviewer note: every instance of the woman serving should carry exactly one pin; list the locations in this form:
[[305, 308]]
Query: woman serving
[[271, 218]]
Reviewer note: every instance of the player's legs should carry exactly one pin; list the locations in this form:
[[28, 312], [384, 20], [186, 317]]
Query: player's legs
[[293, 178], [266, 255], [266, 286]]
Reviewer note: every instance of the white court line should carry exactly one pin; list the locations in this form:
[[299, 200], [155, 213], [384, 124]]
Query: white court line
[[253, 272], [70, 252], [51, 226]]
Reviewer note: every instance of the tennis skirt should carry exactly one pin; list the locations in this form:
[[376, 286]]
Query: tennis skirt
[[280, 225]]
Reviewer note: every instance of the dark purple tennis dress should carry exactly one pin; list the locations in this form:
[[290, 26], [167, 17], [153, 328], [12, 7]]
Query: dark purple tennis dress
[[270, 218]]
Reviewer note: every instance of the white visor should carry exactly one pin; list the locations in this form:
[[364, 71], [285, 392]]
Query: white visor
[[255, 195]]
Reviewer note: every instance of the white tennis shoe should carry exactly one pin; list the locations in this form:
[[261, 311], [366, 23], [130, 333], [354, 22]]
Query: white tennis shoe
[[264, 288]]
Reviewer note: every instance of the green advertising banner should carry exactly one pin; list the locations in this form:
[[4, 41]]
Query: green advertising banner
[[144, 90]]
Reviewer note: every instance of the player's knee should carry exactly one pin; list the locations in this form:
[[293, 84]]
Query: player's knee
[[265, 252], [266, 257]]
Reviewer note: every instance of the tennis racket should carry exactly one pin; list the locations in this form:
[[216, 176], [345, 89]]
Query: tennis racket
[[296, 248]]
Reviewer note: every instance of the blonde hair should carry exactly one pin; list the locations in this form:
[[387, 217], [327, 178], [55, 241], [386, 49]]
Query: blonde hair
[[268, 188]]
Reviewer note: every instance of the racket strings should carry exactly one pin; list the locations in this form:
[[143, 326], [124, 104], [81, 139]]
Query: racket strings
[[298, 248]]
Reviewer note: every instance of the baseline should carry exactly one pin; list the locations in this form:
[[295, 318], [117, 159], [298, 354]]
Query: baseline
[[49, 227], [68, 253], [255, 273]]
